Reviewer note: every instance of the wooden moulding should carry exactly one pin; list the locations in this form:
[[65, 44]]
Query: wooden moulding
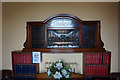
[[44, 76], [64, 49]]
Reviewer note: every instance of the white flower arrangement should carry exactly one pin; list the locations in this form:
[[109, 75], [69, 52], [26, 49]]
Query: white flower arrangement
[[59, 70]]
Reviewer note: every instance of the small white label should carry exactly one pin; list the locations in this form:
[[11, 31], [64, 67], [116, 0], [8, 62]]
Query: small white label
[[36, 57]]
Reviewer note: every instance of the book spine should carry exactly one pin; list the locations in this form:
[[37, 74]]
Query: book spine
[[93, 59], [106, 70], [105, 58], [15, 71], [28, 58], [24, 69], [100, 59], [86, 70], [94, 70], [96, 59], [22, 58], [102, 70], [87, 58], [15, 58]]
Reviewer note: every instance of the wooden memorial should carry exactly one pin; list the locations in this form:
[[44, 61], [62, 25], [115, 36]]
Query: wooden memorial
[[62, 33]]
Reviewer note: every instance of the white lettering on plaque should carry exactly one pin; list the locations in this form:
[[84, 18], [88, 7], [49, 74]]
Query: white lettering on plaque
[[61, 23]]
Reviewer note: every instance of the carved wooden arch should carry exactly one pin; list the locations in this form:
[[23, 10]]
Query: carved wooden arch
[[62, 16]]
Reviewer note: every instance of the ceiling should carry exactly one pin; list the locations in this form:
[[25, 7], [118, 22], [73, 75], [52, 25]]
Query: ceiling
[[59, 0]]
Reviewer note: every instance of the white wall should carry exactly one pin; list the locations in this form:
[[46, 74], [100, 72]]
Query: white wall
[[0, 38], [15, 16], [68, 57], [119, 37]]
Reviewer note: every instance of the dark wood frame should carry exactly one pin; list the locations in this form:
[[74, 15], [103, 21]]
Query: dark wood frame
[[98, 44]]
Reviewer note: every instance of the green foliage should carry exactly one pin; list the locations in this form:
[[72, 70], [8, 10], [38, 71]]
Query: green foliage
[[62, 68]]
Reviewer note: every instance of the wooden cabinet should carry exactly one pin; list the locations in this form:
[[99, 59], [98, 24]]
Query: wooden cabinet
[[97, 64], [62, 33], [22, 66]]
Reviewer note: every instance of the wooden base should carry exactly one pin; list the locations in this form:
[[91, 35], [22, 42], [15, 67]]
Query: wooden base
[[44, 76]]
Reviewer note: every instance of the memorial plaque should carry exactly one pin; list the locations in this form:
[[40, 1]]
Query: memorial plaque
[[37, 36], [88, 36]]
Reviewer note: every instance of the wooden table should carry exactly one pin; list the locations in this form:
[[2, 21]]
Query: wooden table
[[74, 76]]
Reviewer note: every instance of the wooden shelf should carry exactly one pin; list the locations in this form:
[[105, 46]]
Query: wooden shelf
[[24, 75], [64, 49]]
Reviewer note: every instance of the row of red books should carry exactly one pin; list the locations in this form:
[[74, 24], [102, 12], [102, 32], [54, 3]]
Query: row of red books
[[106, 59], [97, 59], [22, 58], [96, 70]]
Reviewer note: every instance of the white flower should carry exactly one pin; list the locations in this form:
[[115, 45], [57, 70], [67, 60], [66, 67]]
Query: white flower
[[49, 72], [59, 66], [50, 65], [57, 75], [69, 69], [59, 60], [67, 76], [64, 72]]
